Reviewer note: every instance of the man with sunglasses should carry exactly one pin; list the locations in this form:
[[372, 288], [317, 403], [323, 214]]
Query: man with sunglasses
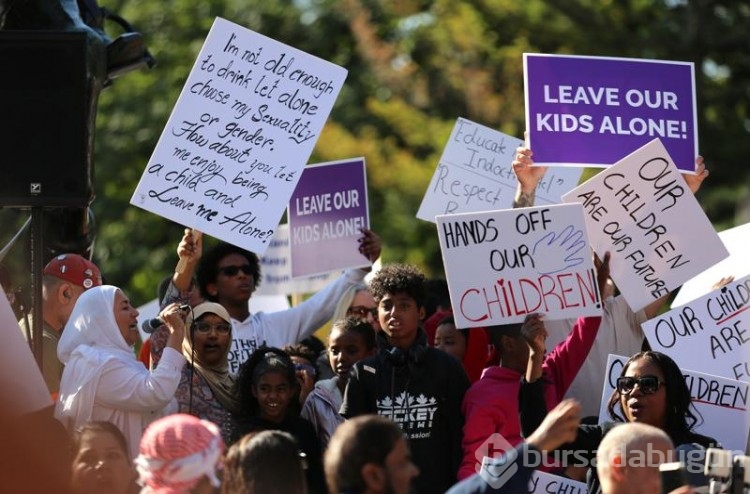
[[229, 275]]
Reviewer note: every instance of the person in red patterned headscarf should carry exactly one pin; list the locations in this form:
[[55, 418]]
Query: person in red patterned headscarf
[[180, 454]]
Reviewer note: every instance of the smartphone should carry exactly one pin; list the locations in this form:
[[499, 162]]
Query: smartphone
[[673, 475]]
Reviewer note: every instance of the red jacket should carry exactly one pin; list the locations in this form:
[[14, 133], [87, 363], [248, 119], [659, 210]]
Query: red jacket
[[491, 404]]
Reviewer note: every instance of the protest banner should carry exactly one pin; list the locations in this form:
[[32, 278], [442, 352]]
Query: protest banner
[[276, 266], [592, 111], [327, 212], [710, 334], [737, 265], [502, 265], [546, 483], [239, 136], [722, 403], [475, 174], [643, 213]]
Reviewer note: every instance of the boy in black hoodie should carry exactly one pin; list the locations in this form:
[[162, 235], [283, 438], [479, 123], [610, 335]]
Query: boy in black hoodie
[[418, 387]]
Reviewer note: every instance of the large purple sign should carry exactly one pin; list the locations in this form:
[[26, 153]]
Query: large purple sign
[[594, 111], [327, 211]]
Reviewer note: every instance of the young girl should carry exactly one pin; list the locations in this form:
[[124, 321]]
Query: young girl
[[350, 341], [265, 389]]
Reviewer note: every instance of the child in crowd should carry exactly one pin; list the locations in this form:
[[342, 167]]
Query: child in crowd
[[101, 460], [350, 341], [418, 387], [470, 347], [492, 404], [266, 462], [266, 387]]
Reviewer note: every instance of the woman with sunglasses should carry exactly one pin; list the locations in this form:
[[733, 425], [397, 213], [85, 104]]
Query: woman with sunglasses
[[651, 389], [205, 388]]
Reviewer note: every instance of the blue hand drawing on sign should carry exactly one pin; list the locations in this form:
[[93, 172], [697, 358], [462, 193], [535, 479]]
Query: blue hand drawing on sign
[[555, 252]]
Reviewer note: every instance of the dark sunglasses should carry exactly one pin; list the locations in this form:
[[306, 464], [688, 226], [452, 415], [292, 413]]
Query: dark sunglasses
[[647, 384], [233, 270], [204, 327], [362, 311]]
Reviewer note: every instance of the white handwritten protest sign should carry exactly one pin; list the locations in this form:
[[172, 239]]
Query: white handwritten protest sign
[[503, 265], [594, 110], [710, 334], [242, 130], [546, 483], [643, 213], [475, 174], [722, 403], [276, 266], [327, 212], [737, 265]]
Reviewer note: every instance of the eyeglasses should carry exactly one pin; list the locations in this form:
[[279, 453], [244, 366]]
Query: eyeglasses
[[647, 384], [204, 327], [362, 311], [233, 270], [306, 368]]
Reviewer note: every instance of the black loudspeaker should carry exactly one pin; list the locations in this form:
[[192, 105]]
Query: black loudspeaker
[[44, 119]]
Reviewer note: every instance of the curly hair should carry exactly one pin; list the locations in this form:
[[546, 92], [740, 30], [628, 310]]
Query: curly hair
[[680, 418], [262, 361], [399, 278], [208, 267]]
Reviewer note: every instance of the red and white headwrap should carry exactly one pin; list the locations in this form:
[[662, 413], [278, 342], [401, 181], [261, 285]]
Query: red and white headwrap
[[176, 452]]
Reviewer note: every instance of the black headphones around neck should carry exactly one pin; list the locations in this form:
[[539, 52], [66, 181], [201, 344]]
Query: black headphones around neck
[[398, 357]]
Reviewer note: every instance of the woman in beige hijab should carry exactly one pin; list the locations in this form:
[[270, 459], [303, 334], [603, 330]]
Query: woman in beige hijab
[[205, 389]]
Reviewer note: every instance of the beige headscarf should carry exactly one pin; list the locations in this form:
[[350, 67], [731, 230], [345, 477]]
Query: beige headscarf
[[217, 376]]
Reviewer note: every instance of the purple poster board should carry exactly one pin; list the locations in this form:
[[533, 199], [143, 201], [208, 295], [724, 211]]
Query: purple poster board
[[594, 111], [326, 212]]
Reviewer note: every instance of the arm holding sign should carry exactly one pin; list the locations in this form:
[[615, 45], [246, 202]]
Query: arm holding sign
[[189, 252], [562, 364], [528, 177]]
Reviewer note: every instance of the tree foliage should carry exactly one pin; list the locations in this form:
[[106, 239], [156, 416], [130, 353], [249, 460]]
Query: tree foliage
[[414, 67]]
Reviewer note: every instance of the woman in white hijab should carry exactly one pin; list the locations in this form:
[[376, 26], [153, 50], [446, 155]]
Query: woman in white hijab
[[102, 379]]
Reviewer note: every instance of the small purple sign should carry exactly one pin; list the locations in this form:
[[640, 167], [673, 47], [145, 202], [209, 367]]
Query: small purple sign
[[326, 213], [594, 111]]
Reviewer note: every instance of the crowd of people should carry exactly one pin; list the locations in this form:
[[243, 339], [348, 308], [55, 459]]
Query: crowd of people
[[397, 400]]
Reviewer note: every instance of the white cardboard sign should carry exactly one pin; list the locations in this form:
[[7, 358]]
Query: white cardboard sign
[[710, 334], [721, 402], [737, 264], [503, 265], [239, 136], [643, 213], [546, 483], [475, 174]]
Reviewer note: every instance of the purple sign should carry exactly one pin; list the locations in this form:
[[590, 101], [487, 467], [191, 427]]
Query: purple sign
[[326, 213], [594, 111]]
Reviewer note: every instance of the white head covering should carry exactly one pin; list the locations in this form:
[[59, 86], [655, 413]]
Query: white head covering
[[90, 339]]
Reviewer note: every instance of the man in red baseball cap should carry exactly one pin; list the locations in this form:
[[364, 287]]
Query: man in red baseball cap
[[66, 277]]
